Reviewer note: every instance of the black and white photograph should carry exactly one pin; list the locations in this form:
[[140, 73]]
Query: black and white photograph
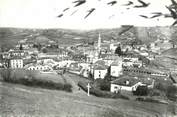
[[88, 58]]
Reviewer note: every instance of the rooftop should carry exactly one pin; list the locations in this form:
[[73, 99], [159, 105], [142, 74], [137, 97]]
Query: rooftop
[[132, 80], [100, 67], [126, 81]]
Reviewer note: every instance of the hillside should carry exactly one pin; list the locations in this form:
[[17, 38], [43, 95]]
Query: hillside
[[18, 100], [10, 36]]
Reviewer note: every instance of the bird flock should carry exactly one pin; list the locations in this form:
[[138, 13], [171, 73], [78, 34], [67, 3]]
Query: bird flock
[[172, 8]]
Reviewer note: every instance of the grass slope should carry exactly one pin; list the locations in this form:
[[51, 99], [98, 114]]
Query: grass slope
[[19, 100]]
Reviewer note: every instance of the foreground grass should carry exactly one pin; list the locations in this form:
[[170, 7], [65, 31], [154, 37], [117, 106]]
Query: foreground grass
[[20, 100]]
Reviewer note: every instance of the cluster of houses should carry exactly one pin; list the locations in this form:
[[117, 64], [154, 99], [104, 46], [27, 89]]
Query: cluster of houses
[[100, 60]]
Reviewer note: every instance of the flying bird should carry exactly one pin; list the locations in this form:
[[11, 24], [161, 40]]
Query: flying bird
[[89, 12], [129, 3], [143, 4], [79, 2], [156, 14], [172, 12], [167, 15], [59, 16], [74, 12], [144, 16], [174, 4], [112, 3], [174, 23], [65, 9]]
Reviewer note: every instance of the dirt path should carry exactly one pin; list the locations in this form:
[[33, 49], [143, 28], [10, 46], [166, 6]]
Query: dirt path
[[75, 87]]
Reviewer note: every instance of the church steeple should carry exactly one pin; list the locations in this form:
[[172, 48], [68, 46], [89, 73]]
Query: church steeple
[[99, 43]]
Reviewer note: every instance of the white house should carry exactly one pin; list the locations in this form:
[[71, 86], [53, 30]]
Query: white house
[[144, 53], [19, 53], [16, 62], [112, 47], [100, 72], [116, 69], [38, 67], [47, 61], [125, 84]]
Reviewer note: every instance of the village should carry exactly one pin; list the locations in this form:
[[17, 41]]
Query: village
[[112, 66]]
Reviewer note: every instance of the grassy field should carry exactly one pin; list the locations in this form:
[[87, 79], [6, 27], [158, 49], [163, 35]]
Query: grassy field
[[19, 100]]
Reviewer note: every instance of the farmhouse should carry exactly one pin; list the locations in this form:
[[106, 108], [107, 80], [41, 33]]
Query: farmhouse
[[38, 67], [116, 68], [100, 72], [126, 84], [16, 62]]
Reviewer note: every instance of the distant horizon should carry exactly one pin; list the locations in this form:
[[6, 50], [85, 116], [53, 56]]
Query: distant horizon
[[30, 28]]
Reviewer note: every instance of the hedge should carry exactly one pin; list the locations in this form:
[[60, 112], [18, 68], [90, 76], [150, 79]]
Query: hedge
[[30, 81]]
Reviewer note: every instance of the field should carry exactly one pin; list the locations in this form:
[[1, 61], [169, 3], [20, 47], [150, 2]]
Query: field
[[19, 100]]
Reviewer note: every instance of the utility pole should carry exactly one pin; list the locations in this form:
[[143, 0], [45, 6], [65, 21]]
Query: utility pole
[[88, 89]]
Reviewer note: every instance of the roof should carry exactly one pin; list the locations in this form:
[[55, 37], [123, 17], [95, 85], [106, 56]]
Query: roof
[[15, 57], [100, 67], [17, 51], [35, 65], [100, 62], [127, 60], [123, 81], [132, 80], [115, 63]]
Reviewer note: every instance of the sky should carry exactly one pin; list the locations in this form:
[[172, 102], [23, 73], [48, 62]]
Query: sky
[[43, 14]]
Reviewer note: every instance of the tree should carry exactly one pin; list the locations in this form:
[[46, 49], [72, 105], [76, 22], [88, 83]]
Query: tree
[[6, 74], [118, 51], [172, 93], [102, 84], [21, 47], [44, 50], [141, 91]]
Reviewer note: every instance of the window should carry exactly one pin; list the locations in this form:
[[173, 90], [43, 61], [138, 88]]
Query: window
[[99, 74]]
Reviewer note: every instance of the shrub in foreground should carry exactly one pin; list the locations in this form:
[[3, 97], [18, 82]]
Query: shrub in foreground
[[30, 81]]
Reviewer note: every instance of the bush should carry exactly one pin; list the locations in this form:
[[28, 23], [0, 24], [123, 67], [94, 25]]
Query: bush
[[172, 93], [172, 108], [141, 91], [169, 90], [44, 50], [6, 74], [30, 81], [102, 84], [155, 92], [161, 87]]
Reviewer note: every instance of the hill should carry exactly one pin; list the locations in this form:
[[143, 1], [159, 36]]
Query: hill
[[20, 100], [10, 36]]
